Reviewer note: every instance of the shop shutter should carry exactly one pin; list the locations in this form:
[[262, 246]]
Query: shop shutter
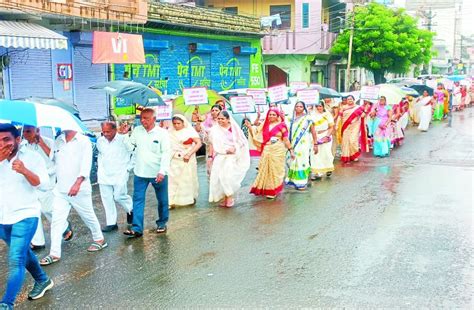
[[92, 104], [30, 73]]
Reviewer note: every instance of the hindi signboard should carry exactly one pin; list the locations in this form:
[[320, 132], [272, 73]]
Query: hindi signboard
[[164, 112], [195, 96], [258, 95], [296, 86], [277, 93], [242, 104], [369, 92], [308, 96]]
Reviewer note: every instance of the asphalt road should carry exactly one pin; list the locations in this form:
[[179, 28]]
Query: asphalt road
[[381, 233]]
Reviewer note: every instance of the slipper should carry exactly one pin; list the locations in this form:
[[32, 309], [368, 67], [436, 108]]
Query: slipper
[[48, 260], [132, 234], [230, 203], [223, 203], [68, 233], [37, 247], [96, 246]]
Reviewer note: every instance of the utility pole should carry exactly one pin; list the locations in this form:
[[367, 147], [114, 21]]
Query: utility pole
[[349, 56]]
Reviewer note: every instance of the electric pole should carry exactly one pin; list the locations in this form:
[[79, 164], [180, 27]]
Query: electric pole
[[349, 56]]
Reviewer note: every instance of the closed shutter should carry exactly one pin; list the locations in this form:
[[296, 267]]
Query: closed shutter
[[30, 73], [92, 104]]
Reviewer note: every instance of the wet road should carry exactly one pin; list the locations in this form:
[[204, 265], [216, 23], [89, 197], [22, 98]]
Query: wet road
[[394, 232]]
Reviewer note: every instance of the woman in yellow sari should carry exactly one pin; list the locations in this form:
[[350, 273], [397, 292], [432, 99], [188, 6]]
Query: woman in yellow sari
[[272, 140], [323, 161], [352, 132], [183, 180]]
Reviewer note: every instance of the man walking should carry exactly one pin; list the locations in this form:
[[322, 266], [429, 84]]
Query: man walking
[[153, 155], [114, 162], [73, 161], [22, 172], [43, 147]]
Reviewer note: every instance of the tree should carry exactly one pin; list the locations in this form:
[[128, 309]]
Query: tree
[[385, 40]]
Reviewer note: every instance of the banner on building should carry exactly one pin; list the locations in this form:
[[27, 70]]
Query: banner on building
[[117, 48], [308, 96], [259, 96], [195, 96], [277, 93], [242, 104]]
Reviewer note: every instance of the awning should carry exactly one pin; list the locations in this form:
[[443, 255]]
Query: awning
[[26, 35]]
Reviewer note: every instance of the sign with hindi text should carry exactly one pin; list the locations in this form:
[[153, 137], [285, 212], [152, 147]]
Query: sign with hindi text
[[164, 112], [369, 92], [258, 95], [242, 104], [308, 96], [277, 93], [296, 86], [195, 96]]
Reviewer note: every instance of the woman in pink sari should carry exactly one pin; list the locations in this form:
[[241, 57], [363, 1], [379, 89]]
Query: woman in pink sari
[[351, 131]]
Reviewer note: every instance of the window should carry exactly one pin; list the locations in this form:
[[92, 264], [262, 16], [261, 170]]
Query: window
[[305, 15], [285, 15], [232, 10]]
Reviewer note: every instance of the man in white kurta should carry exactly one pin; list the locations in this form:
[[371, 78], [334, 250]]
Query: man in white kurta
[[114, 163], [73, 161]]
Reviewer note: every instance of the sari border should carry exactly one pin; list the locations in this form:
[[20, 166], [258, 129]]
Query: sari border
[[266, 192]]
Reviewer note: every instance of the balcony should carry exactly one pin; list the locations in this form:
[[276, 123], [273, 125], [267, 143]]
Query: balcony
[[291, 42]]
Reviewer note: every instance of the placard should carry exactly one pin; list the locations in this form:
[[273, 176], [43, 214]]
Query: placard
[[308, 96], [258, 95], [315, 85], [296, 86], [369, 92], [164, 112], [242, 104], [195, 96], [277, 93]]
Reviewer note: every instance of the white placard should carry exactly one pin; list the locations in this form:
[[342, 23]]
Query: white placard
[[369, 92], [242, 104], [296, 86], [277, 93], [164, 112], [308, 96], [315, 85], [195, 96], [258, 95]]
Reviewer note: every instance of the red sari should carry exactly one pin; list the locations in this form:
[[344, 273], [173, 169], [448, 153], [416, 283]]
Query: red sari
[[352, 133]]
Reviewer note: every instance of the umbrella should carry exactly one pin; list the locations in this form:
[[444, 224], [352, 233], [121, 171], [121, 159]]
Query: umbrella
[[325, 92], [456, 78], [410, 91], [393, 93], [71, 108], [180, 107], [420, 88], [39, 115], [132, 91]]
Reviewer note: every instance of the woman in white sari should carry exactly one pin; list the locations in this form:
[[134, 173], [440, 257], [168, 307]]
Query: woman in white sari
[[230, 160], [426, 113], [183, 185], [323, 161]]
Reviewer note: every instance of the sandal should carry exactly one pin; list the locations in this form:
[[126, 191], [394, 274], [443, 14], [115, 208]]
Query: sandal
[[68, 233], [96, 246], [132, 234], [48, 260], [271, 197], [161, 230], [223, 203], [230, 203]]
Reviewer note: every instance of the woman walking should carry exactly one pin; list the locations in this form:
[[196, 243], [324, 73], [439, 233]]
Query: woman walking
[[425, 103], [272, 139], [230, 160], [323, 161], [439, 105], [302, 134], [380, 126], [183, 184], [352, 132], [204, 128]]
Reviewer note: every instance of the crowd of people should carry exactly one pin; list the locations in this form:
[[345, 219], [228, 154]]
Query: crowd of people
[[52, 176]]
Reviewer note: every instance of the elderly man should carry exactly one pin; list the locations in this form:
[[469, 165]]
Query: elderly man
[[152, 161], [22, 173], [114, 162], [73, 160], [43, 147]]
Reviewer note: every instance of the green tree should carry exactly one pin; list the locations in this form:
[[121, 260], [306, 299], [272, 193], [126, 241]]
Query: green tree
[[385, 40]]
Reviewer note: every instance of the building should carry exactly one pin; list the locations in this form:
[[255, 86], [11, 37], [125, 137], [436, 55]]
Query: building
[[299, 35]]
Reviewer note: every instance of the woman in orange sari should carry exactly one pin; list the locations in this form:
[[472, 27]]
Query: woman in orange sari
[[272, 140], [352, 132]]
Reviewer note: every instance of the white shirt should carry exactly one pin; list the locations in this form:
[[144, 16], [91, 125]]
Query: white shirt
[[72, 159], [19, 199], [152, 151], [113, 160], [48, 159]]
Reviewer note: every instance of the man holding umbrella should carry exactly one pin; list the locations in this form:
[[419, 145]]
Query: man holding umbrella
[[22, 174]]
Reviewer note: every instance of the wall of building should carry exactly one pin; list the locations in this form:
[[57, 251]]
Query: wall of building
[[298, 67]]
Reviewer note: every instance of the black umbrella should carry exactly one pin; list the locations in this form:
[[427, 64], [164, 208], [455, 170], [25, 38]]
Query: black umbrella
[[420, 88]]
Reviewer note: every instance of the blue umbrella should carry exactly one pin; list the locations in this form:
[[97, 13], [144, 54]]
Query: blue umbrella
[[410, 91], [325, 92], [456, 78], [39, 115], [131, 91]]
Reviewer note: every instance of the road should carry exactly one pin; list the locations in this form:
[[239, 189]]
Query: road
[[381, 233]]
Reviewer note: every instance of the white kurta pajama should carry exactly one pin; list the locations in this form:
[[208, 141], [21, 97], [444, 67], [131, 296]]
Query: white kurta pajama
[[112, 175]]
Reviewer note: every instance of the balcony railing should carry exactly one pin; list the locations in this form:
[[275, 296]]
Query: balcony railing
[[292, 42]]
